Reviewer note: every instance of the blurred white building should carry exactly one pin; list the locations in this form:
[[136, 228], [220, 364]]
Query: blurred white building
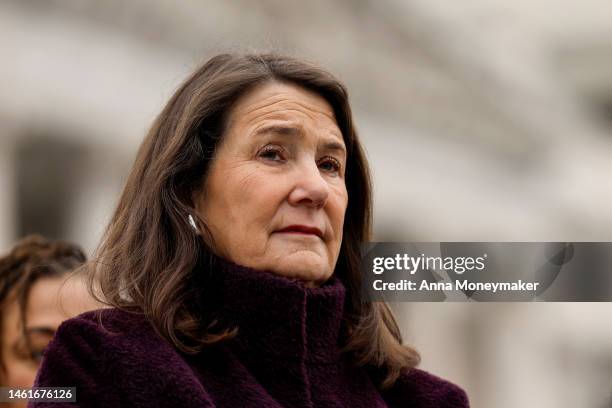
[[483, 120]]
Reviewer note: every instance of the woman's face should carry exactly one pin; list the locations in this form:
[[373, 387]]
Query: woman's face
[[50, 302], [275, 195]]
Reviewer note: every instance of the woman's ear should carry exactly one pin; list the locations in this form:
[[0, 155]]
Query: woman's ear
[[196, 217], [197, 202]]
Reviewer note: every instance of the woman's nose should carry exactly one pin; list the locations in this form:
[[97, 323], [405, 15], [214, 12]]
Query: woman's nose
[[310, 188]]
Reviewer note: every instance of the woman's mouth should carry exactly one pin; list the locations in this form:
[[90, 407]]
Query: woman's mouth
[[302, 229]]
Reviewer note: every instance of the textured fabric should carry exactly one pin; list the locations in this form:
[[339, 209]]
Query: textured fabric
[[286, 354]]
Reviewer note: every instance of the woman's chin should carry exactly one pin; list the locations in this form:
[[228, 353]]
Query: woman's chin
[[310, 267]]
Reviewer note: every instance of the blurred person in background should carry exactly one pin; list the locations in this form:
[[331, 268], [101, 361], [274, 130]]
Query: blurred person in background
[[35, 297], [232, 260]]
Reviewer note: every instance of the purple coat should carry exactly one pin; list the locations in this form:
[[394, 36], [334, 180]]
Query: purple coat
[[286, 354]]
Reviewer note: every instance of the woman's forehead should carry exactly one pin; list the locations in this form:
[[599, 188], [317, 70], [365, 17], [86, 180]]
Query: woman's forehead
[[282, 102]]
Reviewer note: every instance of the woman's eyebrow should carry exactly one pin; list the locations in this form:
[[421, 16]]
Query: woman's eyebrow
[[287, 130], [40, 330], [283, 130], [335, 146]]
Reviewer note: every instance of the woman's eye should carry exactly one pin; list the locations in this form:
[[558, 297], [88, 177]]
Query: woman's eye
[[330, 164], [271, 153], [36, 355]]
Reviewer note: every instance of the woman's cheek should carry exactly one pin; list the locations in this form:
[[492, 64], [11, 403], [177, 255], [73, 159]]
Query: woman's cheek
[[340, 202]]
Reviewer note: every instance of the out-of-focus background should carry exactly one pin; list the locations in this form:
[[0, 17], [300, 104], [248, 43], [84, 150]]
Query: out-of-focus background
[[484, 120]]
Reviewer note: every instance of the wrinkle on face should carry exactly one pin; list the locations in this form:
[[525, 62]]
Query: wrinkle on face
[[273, 103], [246, 199]]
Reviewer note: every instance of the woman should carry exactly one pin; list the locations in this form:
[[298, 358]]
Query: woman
[[33, 306], [231, 262]]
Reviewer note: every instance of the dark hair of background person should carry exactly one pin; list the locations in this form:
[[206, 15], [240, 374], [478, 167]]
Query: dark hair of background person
[[145, 261], [33, 257]]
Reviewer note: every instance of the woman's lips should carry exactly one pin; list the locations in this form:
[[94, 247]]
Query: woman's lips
[[302, 229]]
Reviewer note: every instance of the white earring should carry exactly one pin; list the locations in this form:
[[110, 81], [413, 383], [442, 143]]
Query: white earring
[[193, 224]]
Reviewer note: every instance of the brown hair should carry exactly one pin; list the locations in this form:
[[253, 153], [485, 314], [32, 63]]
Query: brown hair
[[32, 258], [149, 250]]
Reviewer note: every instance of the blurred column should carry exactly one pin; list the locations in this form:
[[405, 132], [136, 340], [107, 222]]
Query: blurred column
[[49, 171], [8, 189]]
